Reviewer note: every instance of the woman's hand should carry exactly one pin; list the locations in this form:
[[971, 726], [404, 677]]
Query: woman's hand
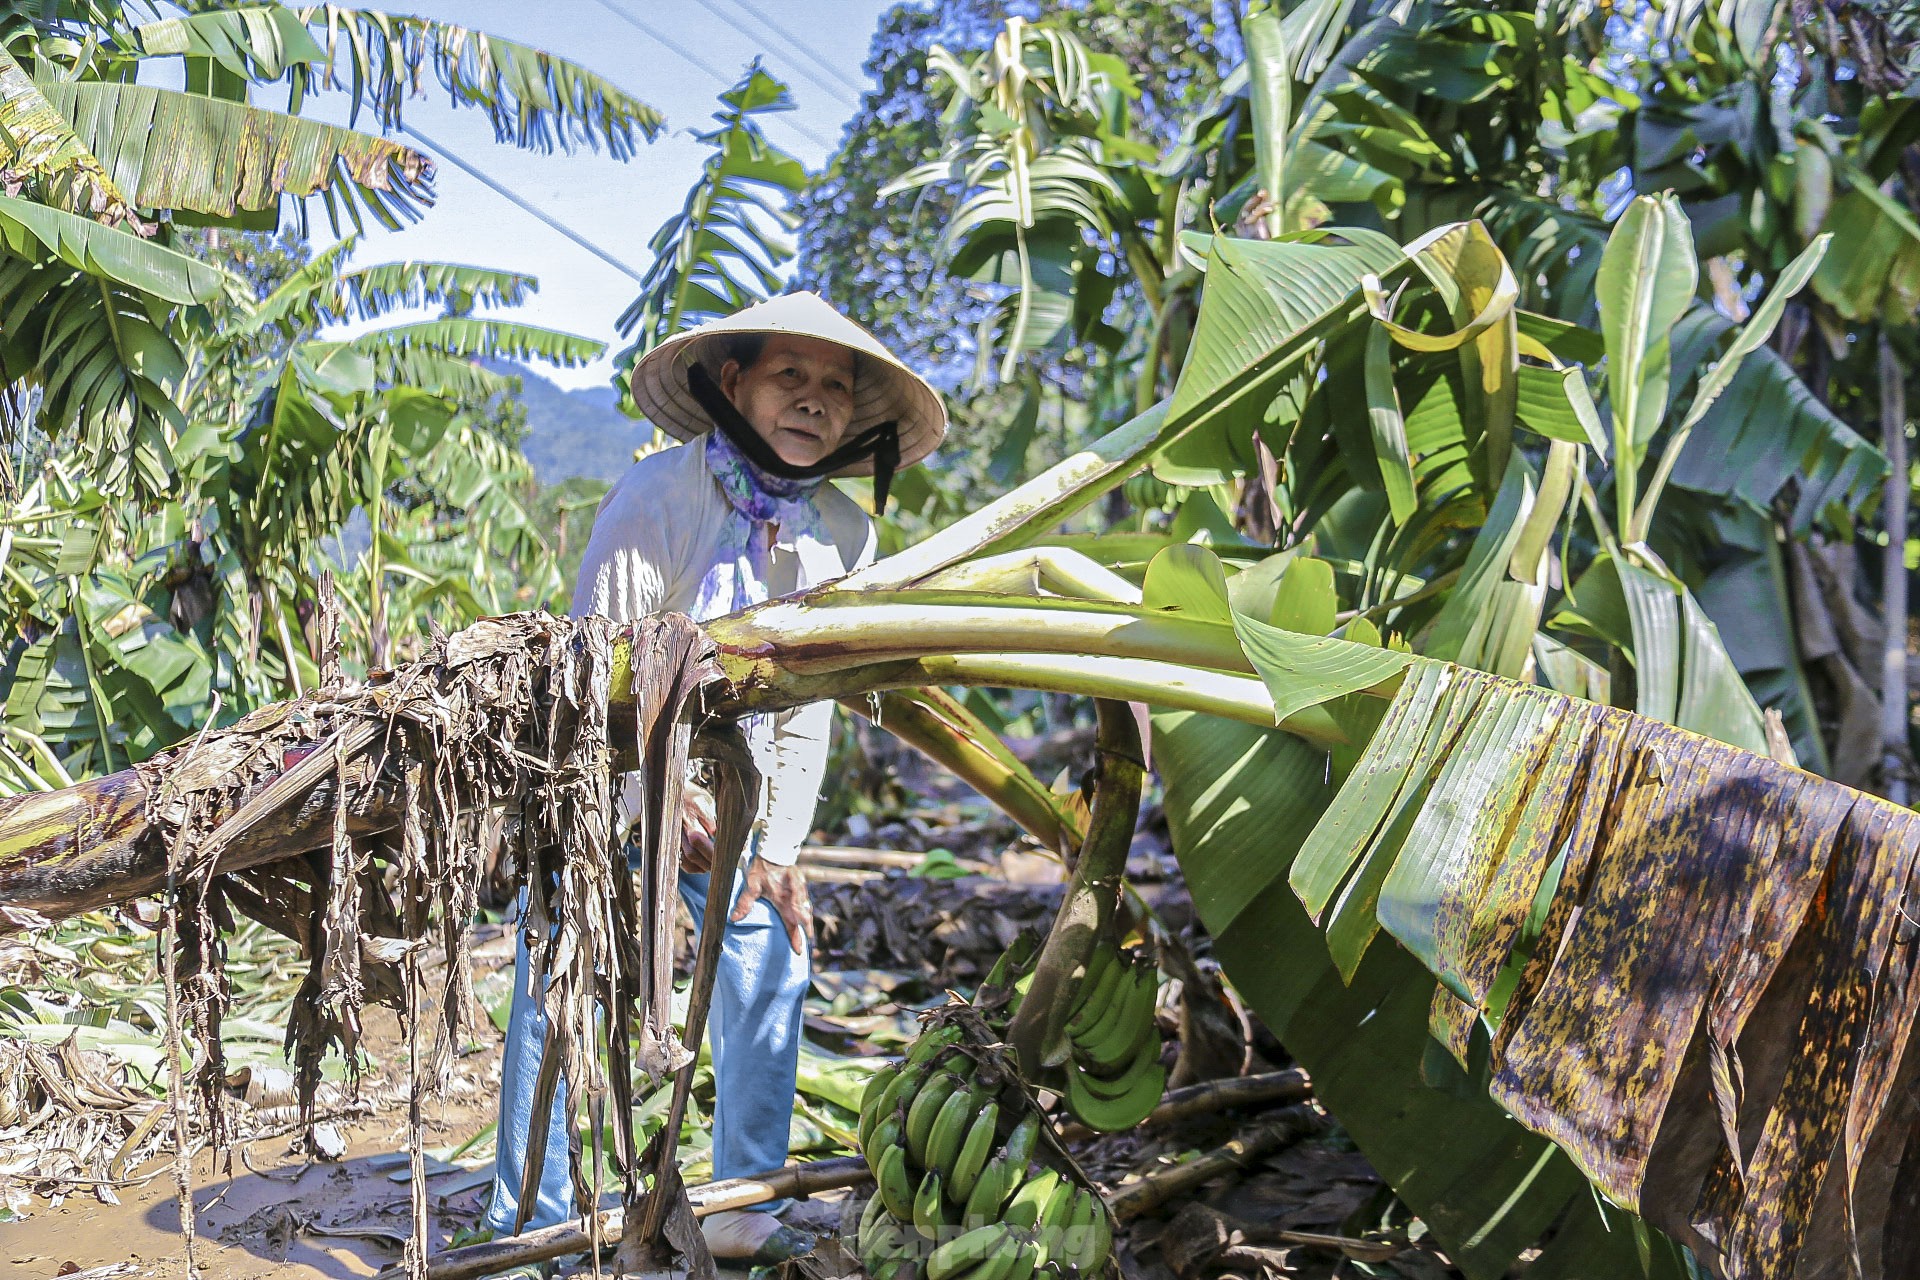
[[786, 889], [698, 825]]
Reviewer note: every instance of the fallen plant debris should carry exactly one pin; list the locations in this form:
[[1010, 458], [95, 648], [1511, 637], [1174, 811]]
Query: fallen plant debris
[[510, 714]]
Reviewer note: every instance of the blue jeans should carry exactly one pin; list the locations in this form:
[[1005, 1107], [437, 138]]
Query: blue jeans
[[758, 994]]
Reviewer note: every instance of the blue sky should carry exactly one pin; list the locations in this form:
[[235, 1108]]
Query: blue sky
[[616, 206]]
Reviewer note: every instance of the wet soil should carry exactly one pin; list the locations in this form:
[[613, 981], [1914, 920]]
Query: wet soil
[[273, 1209]]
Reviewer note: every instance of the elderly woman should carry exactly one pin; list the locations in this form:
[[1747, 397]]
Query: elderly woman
[[770, 402]]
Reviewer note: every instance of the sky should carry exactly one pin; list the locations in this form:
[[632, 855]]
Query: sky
[[615, 206]]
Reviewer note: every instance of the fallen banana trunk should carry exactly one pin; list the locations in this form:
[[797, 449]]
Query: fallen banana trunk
[[496, 1256]]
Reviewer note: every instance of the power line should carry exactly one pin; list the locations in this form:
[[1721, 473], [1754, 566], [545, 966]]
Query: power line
[[697, 61], [500, 190], [834, 91], [805, 49]]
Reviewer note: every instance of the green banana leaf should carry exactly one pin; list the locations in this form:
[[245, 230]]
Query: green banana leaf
[[532, 98], [35, 232], [1645, 284]]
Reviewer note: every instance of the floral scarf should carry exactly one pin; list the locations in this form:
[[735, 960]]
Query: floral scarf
[[766, 511]]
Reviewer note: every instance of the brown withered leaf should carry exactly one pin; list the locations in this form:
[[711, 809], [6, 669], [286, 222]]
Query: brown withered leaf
[[508, 715]]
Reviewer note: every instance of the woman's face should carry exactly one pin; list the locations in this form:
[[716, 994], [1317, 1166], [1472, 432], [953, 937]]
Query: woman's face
[[798, 395]]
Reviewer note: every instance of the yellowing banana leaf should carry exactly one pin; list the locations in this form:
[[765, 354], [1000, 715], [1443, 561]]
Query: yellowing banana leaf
[[1237, 798], [174, 150], [37, 140]]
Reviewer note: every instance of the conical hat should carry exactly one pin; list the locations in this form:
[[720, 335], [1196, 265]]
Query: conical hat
[[883, 388]]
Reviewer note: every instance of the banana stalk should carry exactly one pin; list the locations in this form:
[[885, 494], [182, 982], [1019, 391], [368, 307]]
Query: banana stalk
[[1038, 1031], [936, 724]]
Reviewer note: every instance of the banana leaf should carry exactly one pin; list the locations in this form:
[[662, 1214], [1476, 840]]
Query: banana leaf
[[172, 150], [1675, 959], [1486, 1187]]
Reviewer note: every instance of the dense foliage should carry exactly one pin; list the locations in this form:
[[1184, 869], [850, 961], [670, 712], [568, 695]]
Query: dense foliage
[[1542, 369]]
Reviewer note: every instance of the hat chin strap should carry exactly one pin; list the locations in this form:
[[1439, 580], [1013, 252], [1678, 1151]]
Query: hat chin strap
[[881, 443]]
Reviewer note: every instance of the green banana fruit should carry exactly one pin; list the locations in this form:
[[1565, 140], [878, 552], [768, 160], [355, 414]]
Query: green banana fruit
[[990, 1191], [1108, 1114], [870, 1215], [952, 1125], [1100, 1246], [1028, 1202], [1059, 1206], [1135, 1002], [870, 1111], [885, 1134], [1020, 1145], [1091, 1236], [956, 1255], [1118, 1005], [896, 1185], [930, 1043], [1096, 992], [973, 1153], [925, 1109], [898, 1268], [1080, 1228], [1121, 1082], [997, 1264], [904, 1083], [1054, 1217], [1026, 1258], [927, 1216], [880, 1236]]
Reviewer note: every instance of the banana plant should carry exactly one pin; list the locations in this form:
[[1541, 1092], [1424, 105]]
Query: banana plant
[[1357, 820], [149, 612], [107, 169], [1516, 936], [724, 249]]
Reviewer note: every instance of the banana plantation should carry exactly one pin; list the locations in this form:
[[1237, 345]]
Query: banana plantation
[[1380, 743]]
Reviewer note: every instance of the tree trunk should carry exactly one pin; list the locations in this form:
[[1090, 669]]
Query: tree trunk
[[90, 846], [1894, 758]]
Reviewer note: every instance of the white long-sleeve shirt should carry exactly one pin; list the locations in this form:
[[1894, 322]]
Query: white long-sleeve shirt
[[655, 536]]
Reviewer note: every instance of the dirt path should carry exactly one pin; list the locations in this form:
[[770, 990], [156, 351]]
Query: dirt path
[[278, 1212], [286, 1217]]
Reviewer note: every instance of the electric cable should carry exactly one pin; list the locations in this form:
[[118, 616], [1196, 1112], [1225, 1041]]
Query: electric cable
[[702, 64], [801, 45], [499, 189], [833, 90]]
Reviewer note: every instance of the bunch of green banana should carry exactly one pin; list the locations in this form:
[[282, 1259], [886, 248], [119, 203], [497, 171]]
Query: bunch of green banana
[[953, 1153], [1113, 1076]]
